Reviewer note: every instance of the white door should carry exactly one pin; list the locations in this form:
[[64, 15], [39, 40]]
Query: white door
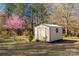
[[41, 34]]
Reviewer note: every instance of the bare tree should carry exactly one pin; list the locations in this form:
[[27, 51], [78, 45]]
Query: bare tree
[[62, 15]]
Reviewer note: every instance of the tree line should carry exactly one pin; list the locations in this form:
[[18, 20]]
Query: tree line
[[35, 14]]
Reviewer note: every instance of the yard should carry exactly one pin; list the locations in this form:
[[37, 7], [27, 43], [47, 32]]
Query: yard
[[20, 24], [57, 48]]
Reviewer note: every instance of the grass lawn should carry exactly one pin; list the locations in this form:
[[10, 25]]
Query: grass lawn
[[71, 38], [57, 48], [40, 48]]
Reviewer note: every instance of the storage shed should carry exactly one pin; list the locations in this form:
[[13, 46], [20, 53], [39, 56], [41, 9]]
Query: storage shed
[[48, 32]]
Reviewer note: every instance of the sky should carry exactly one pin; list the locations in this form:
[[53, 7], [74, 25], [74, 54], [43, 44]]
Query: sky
[[3, 7]]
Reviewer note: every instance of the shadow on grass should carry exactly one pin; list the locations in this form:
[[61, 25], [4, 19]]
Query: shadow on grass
[[64, 41]]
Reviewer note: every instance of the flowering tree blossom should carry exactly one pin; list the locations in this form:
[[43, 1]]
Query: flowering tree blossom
[[14, 22]]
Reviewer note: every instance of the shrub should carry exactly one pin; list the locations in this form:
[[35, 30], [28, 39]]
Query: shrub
[[65, 35], [30, 37]]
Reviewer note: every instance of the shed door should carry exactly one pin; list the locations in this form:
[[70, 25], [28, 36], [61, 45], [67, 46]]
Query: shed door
[[42, 34]]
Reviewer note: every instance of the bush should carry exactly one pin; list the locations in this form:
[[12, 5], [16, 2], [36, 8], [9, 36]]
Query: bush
[[30, 37], [65, 35]]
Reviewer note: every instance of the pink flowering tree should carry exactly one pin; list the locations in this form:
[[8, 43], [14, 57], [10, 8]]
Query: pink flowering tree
[[15, 23]]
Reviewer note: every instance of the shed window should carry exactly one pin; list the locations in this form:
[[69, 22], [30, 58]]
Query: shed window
[[56, 30]]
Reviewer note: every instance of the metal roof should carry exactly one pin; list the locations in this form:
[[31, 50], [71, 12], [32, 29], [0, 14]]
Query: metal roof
[[49, 25], [52, 25]]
